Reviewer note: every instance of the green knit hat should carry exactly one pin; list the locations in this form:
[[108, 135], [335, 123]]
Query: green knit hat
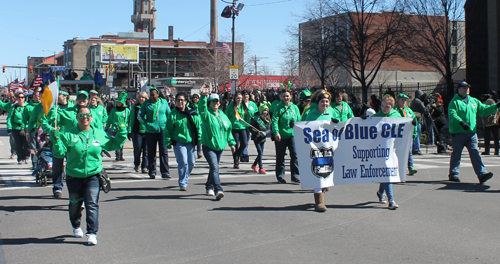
[[263, 107], [304, 95], [122, 98]]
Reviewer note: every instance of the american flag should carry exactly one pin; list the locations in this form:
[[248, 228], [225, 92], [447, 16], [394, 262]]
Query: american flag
[[38, 81], [14, 85], [21, 84], [221, 47]]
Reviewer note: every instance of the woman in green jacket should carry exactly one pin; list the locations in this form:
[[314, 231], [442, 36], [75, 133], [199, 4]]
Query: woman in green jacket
[[236, 111], [136, 132], [118, 115], [83, 145], [18, 125], [183, 131], [215, 136], [341, 108], [284, 117], [387, 110]]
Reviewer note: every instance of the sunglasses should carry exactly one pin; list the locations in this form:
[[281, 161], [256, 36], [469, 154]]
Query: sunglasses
[[21, 97], [180, 100], [82, 115]]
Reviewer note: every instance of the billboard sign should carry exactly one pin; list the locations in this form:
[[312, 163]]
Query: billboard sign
[[119, 53]]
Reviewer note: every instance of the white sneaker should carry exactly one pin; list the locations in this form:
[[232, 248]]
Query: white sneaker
[[393, 205], [92, 239], [219, 196], [77, 232], [210, 192]]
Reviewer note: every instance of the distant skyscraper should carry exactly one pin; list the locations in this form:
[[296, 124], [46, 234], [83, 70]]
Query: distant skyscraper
[[142, 14]]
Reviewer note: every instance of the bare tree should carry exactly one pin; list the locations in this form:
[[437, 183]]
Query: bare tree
[[435, 33], [366, 36], [290, 63]]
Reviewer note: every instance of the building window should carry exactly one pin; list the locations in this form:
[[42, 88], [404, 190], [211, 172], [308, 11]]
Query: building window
[[154, 64], [145, 12], [153, 52], [168, 52], [197, 53], [190, 52], [146, 3], [190, 64], [69, 51]]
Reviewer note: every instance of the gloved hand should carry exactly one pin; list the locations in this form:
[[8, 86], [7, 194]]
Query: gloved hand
[[413, 122], [465, 125], [262, 134], [129, 136], [335, 120], [364, 117]]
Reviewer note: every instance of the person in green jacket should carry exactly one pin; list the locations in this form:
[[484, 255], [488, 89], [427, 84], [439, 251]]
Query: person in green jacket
[[136, 132], [385, 188], [120, 114], [153, 115], [195, 100], [314, 105], [462, 112], [285, 115], [405, 111], [98, 111], [321, 113], [342, 109], [31, 116], [82, 145], [7, 107], [252, 110], [183, 132], [236, 111], [16, 113], [215, 136]]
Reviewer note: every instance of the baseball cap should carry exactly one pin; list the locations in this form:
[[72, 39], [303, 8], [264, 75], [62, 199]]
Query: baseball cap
[[463, 84], [93, 92], [82, 93], [402, 95], [213, 97]]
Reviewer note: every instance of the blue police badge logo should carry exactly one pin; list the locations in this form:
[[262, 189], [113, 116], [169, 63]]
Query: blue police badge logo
[[322, 162]]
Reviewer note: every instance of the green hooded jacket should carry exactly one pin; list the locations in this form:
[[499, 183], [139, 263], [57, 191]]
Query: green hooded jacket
[[29, 114], [236, 123], [467, 109], [115, 118], [343, 110], [314, 115], [154, 121], [282, 117], [133, 118], [312, 106], [100, 113], [216, 130], [66, 120], [16, 117], [83, 149], [35, 117], [179, 128]]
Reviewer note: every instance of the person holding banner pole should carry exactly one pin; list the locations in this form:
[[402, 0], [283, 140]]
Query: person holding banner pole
[[215, 136], [321, 113], [387, 110], [405, 111], [285, 115]]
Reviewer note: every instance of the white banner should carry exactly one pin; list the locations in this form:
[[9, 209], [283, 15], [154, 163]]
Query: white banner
[[356, 151]]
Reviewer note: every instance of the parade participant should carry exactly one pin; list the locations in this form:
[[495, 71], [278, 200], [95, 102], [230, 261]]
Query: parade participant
[[193, 104], [235, 111], [153, 115], [262, 122], [6, 105], [137, 132], [183, 132], [215, 136], [18, 125], [276, 102], [321, 113], [314, 105], [82, 145], [405, 111], [252, 107], [120, 114], [490, 127], [387, 110], [462, 113], [98, 110], [340, 107], [285, 115], [66, 119], [305, 100], [32, 117]]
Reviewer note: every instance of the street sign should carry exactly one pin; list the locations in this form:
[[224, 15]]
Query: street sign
[[109, 81], [233, 72], [58, 68]]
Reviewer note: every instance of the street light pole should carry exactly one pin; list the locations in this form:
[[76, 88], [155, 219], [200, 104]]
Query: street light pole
[[150, 25]]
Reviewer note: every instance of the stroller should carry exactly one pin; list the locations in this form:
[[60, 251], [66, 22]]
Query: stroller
[[43, 167]]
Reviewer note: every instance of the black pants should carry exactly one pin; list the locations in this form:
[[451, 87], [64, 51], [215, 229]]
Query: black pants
[[487, 137], [22, 147], [152, 140]]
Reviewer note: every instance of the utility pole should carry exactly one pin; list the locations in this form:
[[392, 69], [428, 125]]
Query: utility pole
[[257, 59], [214, 33]]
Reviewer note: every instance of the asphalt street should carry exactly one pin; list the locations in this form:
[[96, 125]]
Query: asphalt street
[[258, 221]]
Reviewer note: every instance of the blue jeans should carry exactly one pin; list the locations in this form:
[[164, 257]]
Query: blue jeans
[[119, 152], [260, 153], [416, 141], [280, 158], [57, 174], [152, 140], [459, 141], [185, 156], [213, 159], [240, 136], [386, 187], [410, 161], [140, 146], [84, 190], [245, 150]]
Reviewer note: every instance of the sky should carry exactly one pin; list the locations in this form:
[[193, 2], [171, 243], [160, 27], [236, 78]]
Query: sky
[[31, 26]]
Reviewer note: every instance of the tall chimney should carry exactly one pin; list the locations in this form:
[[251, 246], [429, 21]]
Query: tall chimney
[[214, 34], [170, 33]]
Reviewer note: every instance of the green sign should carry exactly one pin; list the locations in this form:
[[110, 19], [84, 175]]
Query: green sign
[[171, 82]]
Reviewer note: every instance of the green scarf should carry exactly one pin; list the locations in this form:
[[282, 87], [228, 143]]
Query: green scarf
[[156, 109]]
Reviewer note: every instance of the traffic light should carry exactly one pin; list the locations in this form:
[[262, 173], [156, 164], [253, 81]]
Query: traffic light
[[112, 68], [107, 68], [3, 69], [31, 69]]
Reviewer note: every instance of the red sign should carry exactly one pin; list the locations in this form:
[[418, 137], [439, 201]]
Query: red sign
[[260, 82]]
